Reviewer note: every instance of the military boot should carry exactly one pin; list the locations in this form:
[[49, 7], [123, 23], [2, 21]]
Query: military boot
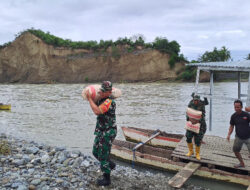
[[112, 165], [105, 181]]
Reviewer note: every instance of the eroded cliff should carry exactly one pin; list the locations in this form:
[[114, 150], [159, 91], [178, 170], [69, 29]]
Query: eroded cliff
[[29, 60]]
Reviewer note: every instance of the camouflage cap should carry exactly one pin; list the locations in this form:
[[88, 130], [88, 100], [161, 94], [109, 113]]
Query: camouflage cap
[[196, 97], [106, 86]]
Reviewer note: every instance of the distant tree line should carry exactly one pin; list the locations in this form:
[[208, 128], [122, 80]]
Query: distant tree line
[[160, 43], [216, 55]]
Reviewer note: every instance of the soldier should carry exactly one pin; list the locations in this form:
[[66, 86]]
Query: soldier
[[105, 131], [197, 104]]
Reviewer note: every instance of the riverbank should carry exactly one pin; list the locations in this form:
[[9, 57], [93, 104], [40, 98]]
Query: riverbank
[[34, 166]]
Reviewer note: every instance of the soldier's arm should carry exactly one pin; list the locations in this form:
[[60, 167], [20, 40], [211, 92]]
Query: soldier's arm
[[93, 106], [205, 101]]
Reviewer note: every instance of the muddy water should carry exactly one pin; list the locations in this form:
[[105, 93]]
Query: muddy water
[[56, 114]]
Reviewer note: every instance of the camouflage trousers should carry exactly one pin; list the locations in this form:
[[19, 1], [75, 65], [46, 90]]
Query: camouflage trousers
[[102, 147], [197, 137]]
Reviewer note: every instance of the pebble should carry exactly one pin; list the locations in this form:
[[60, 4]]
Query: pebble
[[33, 166]]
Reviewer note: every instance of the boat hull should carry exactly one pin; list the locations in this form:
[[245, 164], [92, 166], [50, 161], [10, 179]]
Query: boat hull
[[160, 159], [5, 107], [141, 135]]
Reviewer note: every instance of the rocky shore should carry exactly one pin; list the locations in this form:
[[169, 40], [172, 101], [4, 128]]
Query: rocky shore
[[33, 166]]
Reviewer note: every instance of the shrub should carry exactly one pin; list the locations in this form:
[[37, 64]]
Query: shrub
[[4, 148]]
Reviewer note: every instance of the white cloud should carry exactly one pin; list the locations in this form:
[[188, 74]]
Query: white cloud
[[197, 25], [231, 33], [203, 37]]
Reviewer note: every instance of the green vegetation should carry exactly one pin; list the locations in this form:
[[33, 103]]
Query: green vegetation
[[161, 44], [115, 52], [188, 74], [5, 45], [214, 56], [172, 48], [4, 148]]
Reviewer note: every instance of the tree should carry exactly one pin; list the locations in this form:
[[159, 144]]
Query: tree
[[175, 47], [137, 37], [161, 44], [216, 55]]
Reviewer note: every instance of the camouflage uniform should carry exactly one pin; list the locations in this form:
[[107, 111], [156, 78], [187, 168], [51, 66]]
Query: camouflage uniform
[[105, 132], [203, 127]]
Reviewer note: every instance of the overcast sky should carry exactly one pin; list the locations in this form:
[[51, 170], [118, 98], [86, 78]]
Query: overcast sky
[[197, 25]]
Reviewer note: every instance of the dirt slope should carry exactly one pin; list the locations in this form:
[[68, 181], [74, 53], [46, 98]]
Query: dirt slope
[[29, 60]]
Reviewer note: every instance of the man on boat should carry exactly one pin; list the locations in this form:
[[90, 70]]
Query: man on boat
[[105, 130], [199, 105], [240, 119]]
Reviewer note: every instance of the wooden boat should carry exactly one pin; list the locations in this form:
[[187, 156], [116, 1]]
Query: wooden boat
[[5, 106], [162, 159], [134, 134]]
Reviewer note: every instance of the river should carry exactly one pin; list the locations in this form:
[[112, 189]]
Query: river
[[56, 114]]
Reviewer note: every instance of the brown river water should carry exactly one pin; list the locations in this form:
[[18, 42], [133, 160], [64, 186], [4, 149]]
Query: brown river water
[[57, 115]]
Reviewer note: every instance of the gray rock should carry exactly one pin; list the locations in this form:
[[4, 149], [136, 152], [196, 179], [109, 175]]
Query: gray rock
[[59, 180], [61, 157], [66, 162], [60, 149], [35, 182], [46, 187], [77, 162], [15, 184], [85, 163], [18, 162], [74, 154], [45, 158], [26, 158], [36, 161], [22, 187], [31, 150]]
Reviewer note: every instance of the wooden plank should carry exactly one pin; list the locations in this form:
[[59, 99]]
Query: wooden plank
[[182, 176], [217, 151]]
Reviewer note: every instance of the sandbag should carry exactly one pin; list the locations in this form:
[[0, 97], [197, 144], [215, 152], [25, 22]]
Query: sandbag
[[94, 91], [194, 114], [193, 127]]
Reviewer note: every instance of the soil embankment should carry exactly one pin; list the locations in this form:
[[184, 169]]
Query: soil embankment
[[29, 60]]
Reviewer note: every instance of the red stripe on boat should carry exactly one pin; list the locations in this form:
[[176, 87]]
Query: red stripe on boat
[[144, 134]]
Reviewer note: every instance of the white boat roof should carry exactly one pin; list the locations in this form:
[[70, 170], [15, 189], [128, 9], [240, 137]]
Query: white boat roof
[[243, 65]]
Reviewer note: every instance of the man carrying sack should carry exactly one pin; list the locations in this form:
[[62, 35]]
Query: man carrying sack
[[105, 131], [198, 105]]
